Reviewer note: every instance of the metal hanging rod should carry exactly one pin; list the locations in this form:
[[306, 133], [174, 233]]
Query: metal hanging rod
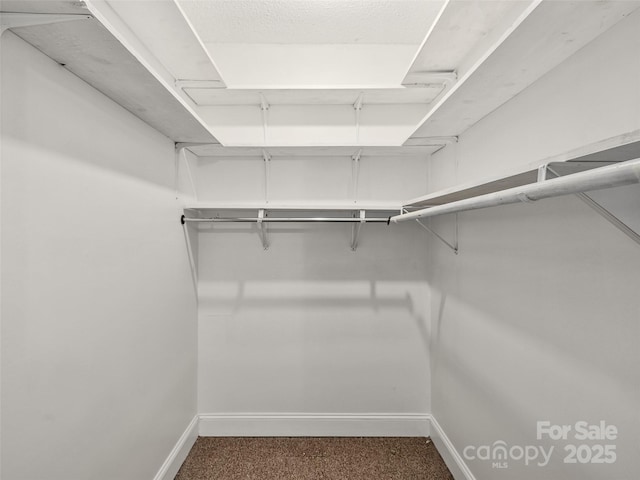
[[623, 173], [284, 220]]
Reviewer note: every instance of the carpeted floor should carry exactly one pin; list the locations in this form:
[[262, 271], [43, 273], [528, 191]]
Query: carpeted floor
[[230, 458]]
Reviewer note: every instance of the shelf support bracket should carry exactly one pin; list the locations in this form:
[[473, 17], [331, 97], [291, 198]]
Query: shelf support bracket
[[542, 173], [267, 174], [603, 212], [262, 230], [192, 263], [264, 108], [355, 230], [355, 173], [182, 154], [357, 107], [452, 246]]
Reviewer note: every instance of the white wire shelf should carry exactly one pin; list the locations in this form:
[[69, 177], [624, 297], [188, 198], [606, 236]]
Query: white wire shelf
[[612, 150]]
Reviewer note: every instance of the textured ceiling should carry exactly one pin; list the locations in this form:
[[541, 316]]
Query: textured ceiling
[[312, 21]]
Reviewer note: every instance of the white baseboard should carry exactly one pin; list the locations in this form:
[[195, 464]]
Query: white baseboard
[[179, 452], [448, 452], [314, 425]]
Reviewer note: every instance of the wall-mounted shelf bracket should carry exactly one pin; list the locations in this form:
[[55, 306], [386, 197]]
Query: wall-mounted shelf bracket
[[574, 167], [15, 20], [192, 261], [264, 105], [267, 174], [355, 174], [355, 230], [182, 155], [357, 107], [264, 108], [453, 246], [262, 229], [542, 173]]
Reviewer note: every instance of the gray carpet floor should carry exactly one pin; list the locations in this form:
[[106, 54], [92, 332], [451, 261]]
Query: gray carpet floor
[[283, 458]]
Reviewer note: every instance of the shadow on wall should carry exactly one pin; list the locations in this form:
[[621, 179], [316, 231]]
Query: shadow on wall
[[313, 346], [312, 268], [310, 325], [312, 296], [309, 278], [500, 388], [574, 270], [312, 252], [374, 306], [536, 320]]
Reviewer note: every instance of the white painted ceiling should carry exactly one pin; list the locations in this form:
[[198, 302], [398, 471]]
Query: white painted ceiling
[[312, 21]]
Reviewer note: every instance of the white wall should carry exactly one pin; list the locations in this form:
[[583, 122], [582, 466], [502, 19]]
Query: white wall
[[98, 309], [310, 180], [309, 326], [538, 317], [304, 125]]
